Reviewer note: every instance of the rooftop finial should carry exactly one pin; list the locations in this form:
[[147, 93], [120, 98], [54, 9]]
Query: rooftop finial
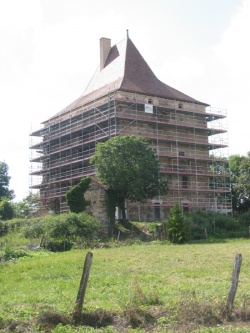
[[127, 34]]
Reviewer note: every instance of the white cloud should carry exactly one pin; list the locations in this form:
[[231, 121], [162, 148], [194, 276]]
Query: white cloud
[[232, 56]]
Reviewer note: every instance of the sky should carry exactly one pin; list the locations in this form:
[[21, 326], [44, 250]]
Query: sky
[[49, 50]]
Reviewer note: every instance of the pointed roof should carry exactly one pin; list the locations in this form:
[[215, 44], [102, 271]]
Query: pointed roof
[[126, 70]]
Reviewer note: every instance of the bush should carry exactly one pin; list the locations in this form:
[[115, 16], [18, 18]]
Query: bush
[[218, 225], [75, 196], [178, 231], [6, 209], [34, 228], [61, 231], [14, 254], [71, 226], [4, 228], [244, 220]]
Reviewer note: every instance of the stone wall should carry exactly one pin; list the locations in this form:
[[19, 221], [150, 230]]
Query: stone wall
[[95, 195]]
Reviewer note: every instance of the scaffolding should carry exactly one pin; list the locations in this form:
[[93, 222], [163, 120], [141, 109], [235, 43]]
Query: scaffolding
[[188, 139]]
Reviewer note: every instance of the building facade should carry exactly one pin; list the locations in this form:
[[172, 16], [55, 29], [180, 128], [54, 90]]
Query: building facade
[[124, 97]]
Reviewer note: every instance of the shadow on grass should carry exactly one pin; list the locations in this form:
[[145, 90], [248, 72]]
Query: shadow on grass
[[186, 316]]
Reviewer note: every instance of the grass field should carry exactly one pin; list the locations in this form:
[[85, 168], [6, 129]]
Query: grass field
[[154, 287]]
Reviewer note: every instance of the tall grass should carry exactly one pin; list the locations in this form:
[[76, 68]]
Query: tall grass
[[144, 275]]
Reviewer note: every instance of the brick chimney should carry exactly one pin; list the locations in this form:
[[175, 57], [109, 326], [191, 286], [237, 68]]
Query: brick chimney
[[105, 46]]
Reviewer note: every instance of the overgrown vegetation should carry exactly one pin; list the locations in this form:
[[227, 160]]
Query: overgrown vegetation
[[75, 196], [55, 232]]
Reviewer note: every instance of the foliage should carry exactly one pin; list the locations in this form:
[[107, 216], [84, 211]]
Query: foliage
[[57, 231], [4, 228], [6, 209], [178, 231], [110, 202], [11, 254], [240, 178], [4, 182], [203, 225], [128, 166], [244, 221], [27, 207], [75, 196], [34, 227], [71, 226]]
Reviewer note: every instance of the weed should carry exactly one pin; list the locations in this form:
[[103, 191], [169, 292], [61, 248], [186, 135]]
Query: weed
[[138, 297], [11, 254]]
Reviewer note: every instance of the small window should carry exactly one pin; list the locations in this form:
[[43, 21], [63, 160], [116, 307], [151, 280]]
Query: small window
[[182, 153], [184, 181], [150, 101], [157, 213], [180, 105]]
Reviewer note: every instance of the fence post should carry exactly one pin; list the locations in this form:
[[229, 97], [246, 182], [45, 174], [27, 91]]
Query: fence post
[[83, 285], [235, 280]]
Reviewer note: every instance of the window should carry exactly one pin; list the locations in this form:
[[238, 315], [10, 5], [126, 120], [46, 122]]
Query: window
[[184, 181], [182, 153], [157, 213], [180, 105]]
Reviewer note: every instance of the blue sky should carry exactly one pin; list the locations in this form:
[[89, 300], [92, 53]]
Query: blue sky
[[49, 50]]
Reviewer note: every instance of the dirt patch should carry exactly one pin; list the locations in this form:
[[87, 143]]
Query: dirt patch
[[186, 318]]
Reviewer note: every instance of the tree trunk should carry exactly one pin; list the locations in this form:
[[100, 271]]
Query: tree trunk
[[121, 204]]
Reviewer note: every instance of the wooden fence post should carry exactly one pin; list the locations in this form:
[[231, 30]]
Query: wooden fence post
[[235, 280], [83, 285]]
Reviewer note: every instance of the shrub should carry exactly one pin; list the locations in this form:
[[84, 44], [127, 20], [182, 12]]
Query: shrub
[[244, 219], [178, 231], [212, 224], [4, 228], [61, 231], [6, 209], [71, 225], [34, 228], [75, 196], [14, 254]]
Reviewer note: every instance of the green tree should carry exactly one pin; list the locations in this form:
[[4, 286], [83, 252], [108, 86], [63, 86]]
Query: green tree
[[75, 196], [128, 167], [4, 182], [6, 209], [27, 207], [240, 179], [178, 231]]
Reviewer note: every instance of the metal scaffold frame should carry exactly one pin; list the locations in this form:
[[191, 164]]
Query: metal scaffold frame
[[185, 136]]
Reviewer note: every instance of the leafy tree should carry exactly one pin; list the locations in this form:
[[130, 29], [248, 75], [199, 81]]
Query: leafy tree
[[240, 179], [128, 167], [4, 182], [178, 231], [75, 196], [27, 207], [6, 209]]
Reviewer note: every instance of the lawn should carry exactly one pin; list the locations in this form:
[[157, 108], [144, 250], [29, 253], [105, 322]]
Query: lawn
[[157, 278]]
